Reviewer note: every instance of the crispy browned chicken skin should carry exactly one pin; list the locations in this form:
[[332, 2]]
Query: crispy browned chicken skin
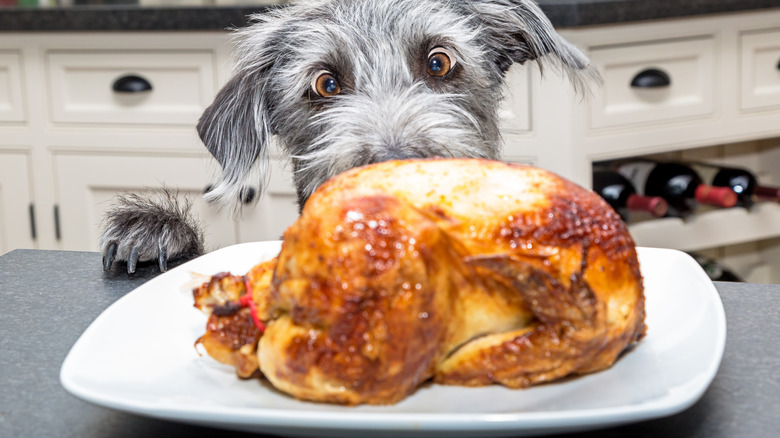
[[469, 272]]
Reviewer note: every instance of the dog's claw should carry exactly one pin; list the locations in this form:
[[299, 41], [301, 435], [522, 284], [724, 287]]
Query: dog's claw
[[132, 260], [109, 256], [163, 259]]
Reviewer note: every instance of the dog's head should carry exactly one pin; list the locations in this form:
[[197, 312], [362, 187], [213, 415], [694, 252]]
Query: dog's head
[[343, 83]]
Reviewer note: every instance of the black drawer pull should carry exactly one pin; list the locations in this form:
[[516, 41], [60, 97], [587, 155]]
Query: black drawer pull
[[131, 84], [651, 78], [248, 195], [778, 64]]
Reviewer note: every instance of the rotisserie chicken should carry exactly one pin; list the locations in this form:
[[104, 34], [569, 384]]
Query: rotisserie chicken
[[467, 272]]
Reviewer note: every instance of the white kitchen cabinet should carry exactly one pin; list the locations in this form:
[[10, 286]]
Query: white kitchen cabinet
[[87, 183], [86, 141], [17, 226]]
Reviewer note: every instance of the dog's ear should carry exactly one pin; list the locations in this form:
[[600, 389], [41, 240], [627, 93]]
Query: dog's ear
[[236, 131], [236, 128], [519, 31]]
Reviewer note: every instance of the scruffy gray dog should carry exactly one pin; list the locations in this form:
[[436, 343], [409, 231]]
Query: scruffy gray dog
[[344, 83]]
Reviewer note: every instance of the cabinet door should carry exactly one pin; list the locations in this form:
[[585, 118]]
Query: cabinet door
[[515, 110], [275, 211], [15, 202], [88, 183]]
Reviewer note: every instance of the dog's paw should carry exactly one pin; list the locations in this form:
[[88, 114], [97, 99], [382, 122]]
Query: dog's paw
[[154, 226]]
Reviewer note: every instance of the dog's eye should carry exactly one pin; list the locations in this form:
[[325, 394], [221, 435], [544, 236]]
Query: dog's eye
[[440, 62], [326, 85]]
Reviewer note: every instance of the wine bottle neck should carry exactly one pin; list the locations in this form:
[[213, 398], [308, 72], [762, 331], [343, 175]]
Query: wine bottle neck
[[768, 193], [717, 196], [654, 205]]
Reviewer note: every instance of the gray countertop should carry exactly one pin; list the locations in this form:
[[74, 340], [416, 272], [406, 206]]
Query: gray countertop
[[563, 13], [48, 298]]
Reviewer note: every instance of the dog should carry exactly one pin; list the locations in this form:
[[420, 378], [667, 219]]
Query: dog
[[345, 83]]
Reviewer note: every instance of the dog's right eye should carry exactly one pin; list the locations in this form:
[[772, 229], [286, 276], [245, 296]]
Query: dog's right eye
[[326, 85], [440, 62]]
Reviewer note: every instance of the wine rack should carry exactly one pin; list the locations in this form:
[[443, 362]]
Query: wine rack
[[712, 228], [746, 239]]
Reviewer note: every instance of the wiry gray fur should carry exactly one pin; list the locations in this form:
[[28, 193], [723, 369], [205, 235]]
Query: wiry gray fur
[[151, 227], [389, 107]]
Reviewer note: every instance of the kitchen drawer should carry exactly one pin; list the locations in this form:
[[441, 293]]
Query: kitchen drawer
[[82, 86], [689, 66], [760, 60], [11, 100]]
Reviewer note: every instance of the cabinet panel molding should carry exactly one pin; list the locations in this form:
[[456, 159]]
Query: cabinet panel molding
[[760, 69], [12, 107]]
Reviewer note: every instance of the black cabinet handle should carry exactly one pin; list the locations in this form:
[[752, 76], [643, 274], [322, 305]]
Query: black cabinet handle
[[131, 84], [778, 64], [248, 195], [32, 221], [57, 232], [651, 78]]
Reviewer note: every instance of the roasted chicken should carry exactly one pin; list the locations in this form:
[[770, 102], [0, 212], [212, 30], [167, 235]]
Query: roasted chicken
[[467, 272]]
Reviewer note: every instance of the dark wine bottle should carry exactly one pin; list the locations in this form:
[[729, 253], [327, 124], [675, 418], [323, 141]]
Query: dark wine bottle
[[742, 181], [680, 185], [621, 195], [715, 269]]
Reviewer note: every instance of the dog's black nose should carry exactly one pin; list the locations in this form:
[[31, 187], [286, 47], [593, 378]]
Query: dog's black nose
[[399, 154]]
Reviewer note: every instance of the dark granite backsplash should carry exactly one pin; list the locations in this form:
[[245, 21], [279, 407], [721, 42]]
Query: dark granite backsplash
[[124, 18], [563, 13], [574, 13]]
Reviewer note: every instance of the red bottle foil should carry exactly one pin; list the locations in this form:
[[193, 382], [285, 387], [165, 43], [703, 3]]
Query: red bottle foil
[[654, 205], [717, 196]]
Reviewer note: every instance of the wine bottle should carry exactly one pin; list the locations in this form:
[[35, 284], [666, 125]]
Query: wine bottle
[[742, 181], [714, 269], [681, 187], [621, 195]]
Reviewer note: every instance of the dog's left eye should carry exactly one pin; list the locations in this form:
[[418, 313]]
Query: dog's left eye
[[325, 84], [440, 62]]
